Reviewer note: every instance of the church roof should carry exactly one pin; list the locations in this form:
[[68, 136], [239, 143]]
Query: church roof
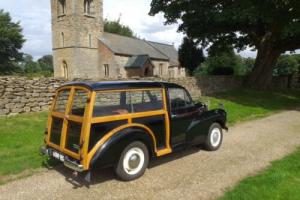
[[137, 61], [168, 50], [133, 47]]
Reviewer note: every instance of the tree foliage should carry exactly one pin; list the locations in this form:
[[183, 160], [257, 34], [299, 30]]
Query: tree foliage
[[46, 63], [11, 41], [287, 65], [117, 28], [190, 56], [271, 26], [30, 66], [223, 63]]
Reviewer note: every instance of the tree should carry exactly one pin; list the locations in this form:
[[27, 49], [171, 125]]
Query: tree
[[223, 63], [249, 64], [46, 63], [287, 65], [30, 66], [117, 28], [190, 56], [11, 41], [271, 26]]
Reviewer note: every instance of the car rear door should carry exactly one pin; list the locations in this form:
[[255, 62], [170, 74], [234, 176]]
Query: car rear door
[[66, 120]]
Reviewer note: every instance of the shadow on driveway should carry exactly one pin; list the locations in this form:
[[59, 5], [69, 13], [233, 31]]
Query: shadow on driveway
[[107, 174]]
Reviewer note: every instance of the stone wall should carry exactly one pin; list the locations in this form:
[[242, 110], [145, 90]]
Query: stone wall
[[205, 85], [23, 95], [75, 39]]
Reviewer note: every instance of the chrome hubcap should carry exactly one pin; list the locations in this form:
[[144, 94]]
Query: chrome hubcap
[[215, 137], [133, 161]]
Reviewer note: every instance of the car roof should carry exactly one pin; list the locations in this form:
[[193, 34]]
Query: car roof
[[117, 85]]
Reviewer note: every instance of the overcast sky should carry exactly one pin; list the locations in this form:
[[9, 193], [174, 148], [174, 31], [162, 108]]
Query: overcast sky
[[35, 18]]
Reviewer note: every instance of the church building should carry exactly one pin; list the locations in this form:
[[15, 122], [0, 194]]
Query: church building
[[81, 48]]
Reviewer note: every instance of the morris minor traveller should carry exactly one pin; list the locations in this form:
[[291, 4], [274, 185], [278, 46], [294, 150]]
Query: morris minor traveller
[[125, 124]]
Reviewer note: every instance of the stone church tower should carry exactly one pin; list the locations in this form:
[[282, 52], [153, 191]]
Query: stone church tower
[[76, 28]]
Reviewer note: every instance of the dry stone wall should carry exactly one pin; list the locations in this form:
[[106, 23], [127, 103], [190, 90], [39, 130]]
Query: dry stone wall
[[23, 95]]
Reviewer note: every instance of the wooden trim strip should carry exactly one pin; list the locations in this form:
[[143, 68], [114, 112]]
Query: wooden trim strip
[[127, 116], [85, 135], [49, 125], [66, 122], [110, 134], [167, 125]]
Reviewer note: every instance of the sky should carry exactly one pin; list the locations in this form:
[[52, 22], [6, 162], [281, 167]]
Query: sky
[[35, 19]]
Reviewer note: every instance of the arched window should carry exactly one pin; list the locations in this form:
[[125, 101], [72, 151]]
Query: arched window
[[106, 70], [88, 7], [61, 7], [62, 39], [90, 40], [65, 70]]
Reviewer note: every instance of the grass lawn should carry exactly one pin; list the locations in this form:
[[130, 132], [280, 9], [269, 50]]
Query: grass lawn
[[242, 105], [281, 181], [21, 136]]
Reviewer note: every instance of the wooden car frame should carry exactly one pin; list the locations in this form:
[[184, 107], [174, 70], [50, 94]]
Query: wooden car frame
[[86, 132]]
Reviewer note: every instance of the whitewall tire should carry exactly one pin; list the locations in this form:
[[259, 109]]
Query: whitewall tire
[[133, 161], [214, 137]]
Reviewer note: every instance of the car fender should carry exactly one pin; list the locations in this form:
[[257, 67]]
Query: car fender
[[108, 154], [198, 128], [209, 117]]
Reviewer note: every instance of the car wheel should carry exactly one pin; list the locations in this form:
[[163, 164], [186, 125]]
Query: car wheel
[[214, 137], [133, 161]]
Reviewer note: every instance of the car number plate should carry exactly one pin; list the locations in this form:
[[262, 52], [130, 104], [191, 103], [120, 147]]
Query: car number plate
[[58, 156]]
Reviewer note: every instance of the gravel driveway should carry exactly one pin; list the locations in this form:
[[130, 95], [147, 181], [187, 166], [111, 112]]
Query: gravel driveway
[[193, 174]]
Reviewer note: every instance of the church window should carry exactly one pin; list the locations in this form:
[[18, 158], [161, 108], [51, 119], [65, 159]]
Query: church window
[[61, 7], [88, 7], [160, 68], [106, 70], [62, 39], [65, 70], [90, 40]]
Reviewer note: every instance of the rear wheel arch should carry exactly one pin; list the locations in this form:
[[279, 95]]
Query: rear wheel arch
[[109, 153]]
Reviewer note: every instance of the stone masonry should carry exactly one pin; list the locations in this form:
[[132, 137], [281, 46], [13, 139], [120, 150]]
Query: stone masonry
[[24, 95], [75, 33]]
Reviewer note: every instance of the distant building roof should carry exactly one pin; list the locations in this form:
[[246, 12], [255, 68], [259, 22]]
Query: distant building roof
[[168, 50], [137, 61], [133, 47]]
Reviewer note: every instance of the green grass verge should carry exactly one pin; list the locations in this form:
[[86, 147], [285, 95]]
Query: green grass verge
[[242, 105], [21, 136], [281, 181]]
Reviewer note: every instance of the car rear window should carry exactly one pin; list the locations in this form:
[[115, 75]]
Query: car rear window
[[79, 102], [62, 101]]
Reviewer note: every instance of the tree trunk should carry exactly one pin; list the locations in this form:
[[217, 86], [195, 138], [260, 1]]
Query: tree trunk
[[261, 75]]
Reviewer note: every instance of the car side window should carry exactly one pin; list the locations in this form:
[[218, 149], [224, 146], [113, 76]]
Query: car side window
[[144, 100], [179, 99]]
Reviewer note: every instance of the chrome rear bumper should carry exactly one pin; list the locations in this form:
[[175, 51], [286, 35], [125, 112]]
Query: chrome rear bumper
[[67, 162], [72, 165]]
